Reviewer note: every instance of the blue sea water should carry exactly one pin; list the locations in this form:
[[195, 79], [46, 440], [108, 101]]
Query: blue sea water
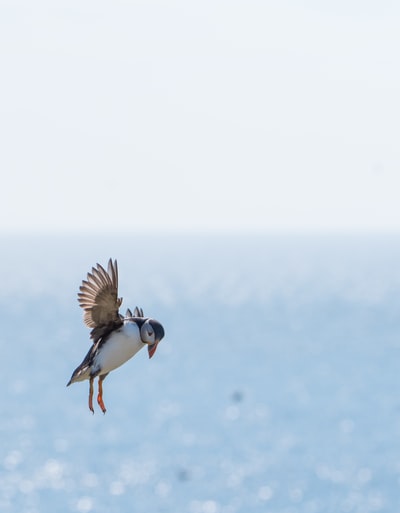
[[275, 388]]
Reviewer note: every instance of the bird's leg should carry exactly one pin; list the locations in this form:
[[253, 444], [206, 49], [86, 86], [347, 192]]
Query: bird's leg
[[100, 394], [91, 395]]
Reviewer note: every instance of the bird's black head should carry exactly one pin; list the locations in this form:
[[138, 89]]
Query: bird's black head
[[151, 332]]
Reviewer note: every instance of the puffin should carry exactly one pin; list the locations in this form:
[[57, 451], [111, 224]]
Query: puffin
[[115, 338]]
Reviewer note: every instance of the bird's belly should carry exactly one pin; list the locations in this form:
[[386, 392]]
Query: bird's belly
[[116, 351]]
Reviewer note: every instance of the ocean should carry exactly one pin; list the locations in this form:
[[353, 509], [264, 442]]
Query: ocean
[[274, 390]]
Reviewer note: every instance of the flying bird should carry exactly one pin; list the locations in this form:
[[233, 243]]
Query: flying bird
[[115, 338]]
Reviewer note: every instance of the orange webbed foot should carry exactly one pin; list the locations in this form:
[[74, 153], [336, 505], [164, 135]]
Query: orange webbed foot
[[91, 395], [100, 396]]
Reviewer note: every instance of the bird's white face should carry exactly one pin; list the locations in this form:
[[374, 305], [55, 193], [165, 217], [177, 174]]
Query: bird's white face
[[147, 333]]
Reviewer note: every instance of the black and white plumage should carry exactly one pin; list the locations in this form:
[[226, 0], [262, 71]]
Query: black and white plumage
[[115, 338]]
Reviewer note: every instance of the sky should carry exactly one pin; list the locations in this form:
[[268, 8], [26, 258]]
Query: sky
[[154, 116]]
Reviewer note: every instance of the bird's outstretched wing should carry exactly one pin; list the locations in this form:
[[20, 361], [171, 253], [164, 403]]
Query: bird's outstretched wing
[[98, 297]]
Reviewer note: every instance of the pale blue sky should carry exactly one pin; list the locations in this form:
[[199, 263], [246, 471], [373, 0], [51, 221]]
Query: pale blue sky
[[213, 115]]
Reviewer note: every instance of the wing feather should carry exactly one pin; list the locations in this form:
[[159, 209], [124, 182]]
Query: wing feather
[[98, 296]]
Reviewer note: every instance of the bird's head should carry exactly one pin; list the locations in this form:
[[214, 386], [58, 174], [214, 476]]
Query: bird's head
[[151, 332]]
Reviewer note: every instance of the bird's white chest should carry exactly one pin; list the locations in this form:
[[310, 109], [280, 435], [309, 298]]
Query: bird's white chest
[[119, 348]]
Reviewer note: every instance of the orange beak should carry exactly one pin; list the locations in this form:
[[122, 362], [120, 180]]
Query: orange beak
[[152, 348]]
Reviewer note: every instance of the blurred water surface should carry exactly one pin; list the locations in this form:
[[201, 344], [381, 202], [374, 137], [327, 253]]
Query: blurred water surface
[[275, 388]]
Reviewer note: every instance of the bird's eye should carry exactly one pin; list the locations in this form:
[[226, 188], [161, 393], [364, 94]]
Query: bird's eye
[[150, 333]]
